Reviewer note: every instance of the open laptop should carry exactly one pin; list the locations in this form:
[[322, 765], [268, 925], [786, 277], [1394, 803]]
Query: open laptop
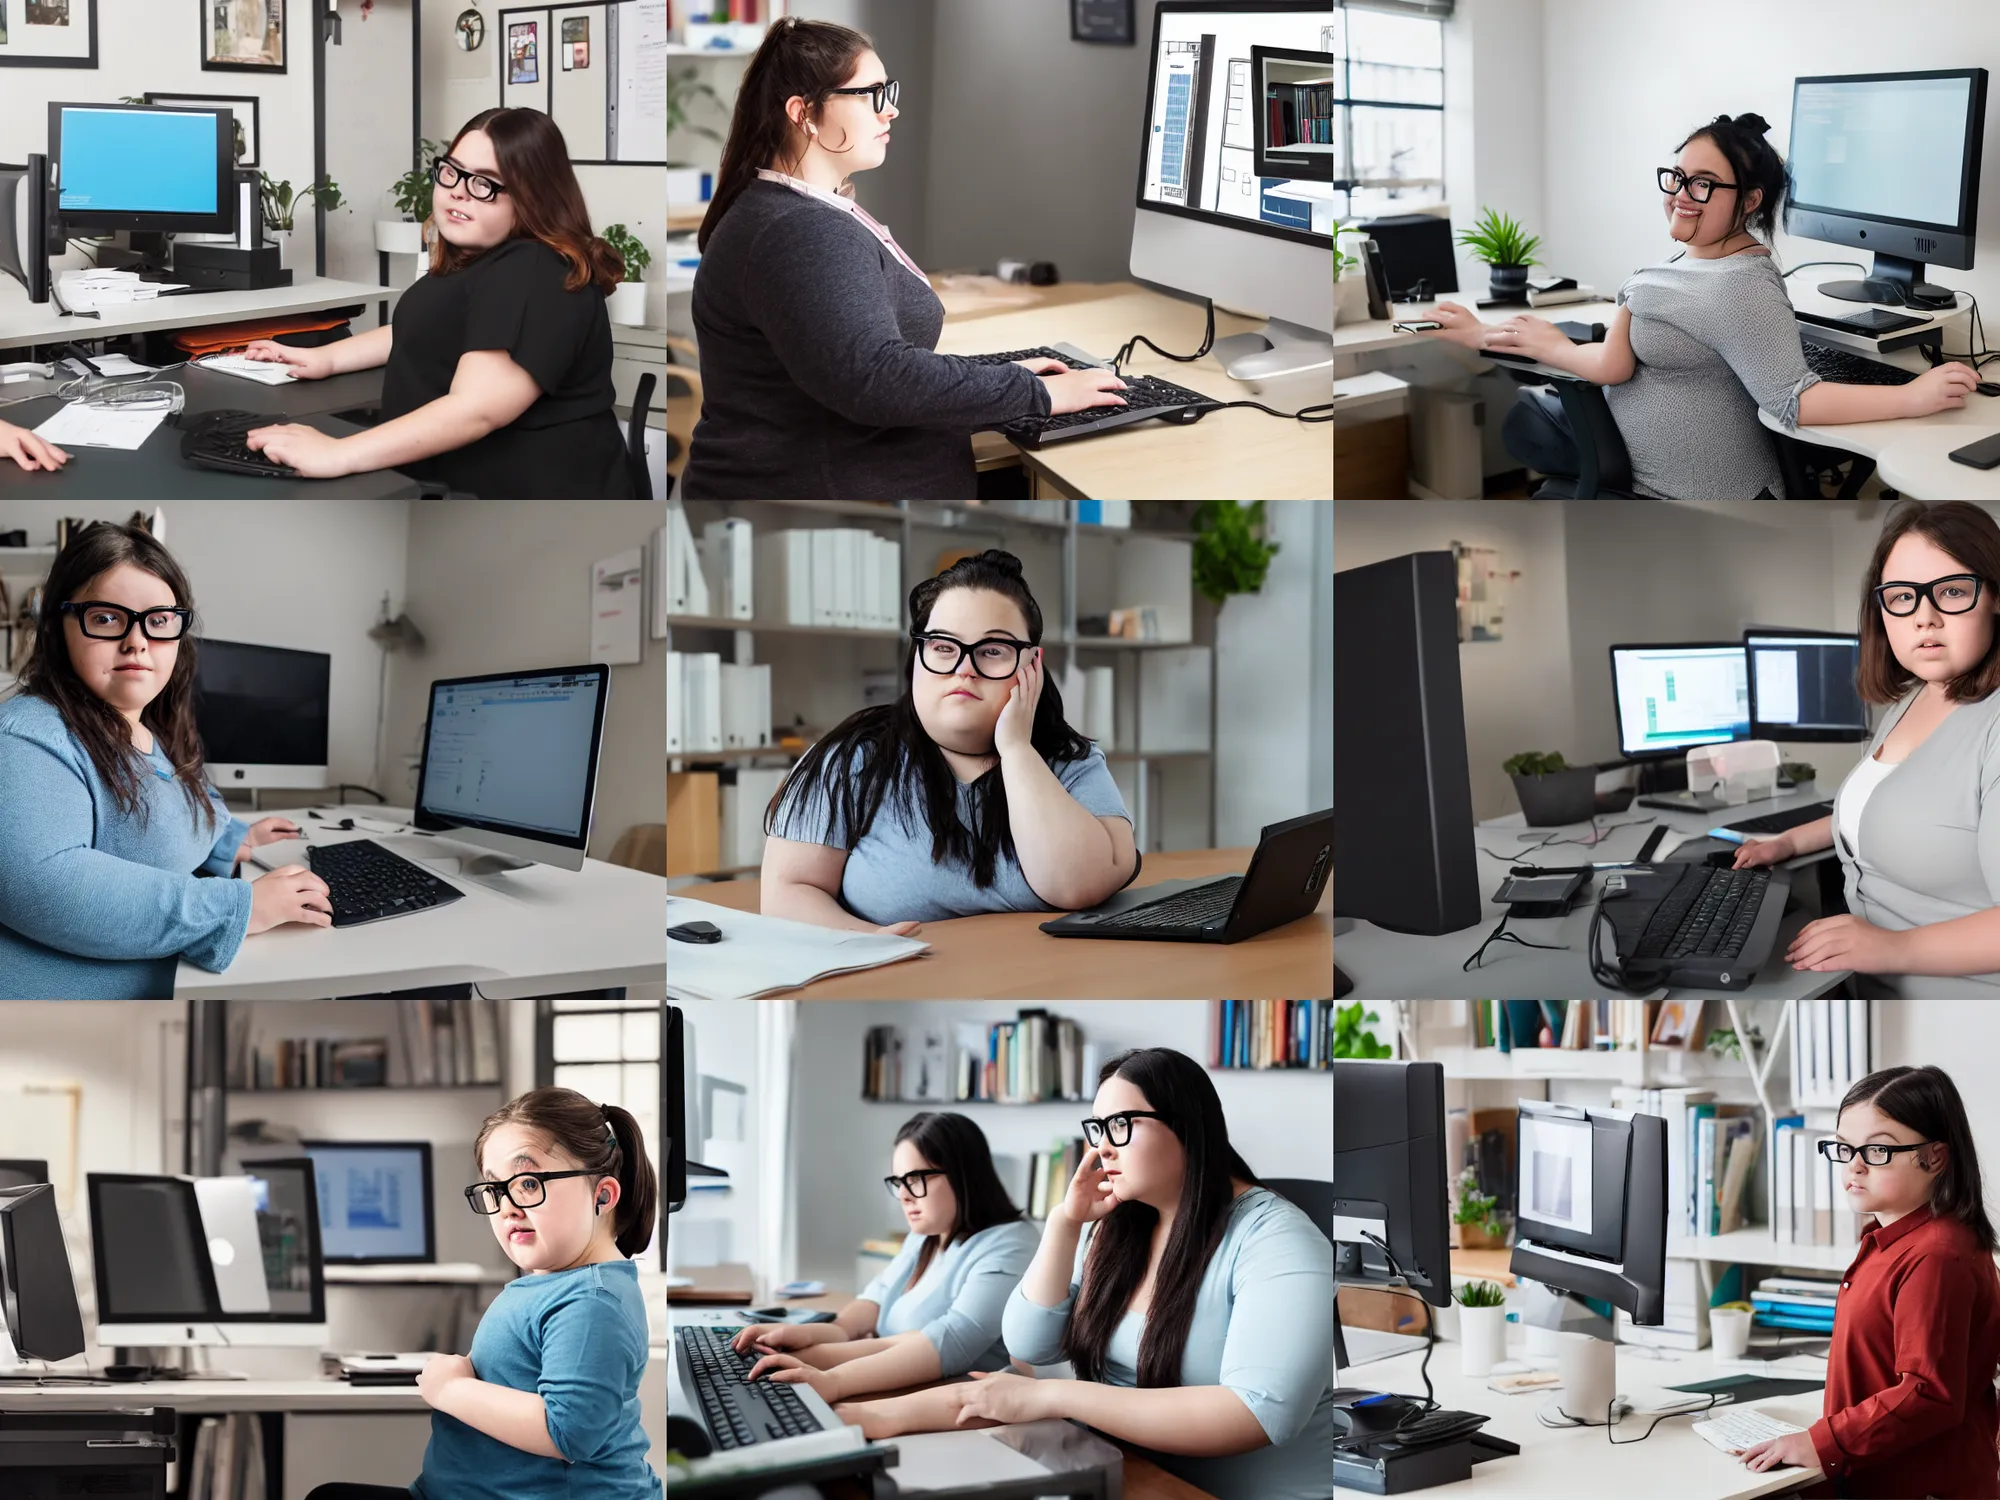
[[1287, 875]]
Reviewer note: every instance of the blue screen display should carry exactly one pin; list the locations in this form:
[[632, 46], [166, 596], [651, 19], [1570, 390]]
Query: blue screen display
[[137, 162], [371, 1202]]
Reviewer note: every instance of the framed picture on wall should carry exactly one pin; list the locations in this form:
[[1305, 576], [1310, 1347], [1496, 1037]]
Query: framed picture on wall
[[48, 33], [524, 52], [242, 106], [1108, 21], [242, 36]]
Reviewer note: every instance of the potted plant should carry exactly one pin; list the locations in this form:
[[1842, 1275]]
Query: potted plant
[[404, 235], [1481, 1225], [1230, 553], [1351, 1039], [1552, 791], [1508, 251], [1482, 1326], [684, 179], [627, 303], [280, 204]]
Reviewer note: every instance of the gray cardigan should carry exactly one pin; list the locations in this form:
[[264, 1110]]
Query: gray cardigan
[[819, 380], [1930, 838]]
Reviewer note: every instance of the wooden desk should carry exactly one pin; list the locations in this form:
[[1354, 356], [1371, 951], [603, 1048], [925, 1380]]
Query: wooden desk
[[1002, 955]]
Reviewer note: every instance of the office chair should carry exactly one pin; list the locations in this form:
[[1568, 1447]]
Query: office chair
[[1312, 1198], [635, 437], [683, 411]]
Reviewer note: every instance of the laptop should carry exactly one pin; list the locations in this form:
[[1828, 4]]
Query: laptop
[[1287, 875]]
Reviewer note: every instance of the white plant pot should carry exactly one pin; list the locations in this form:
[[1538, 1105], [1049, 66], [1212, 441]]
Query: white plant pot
[[627, 304], [1483, 1331], [399, 237], [282, 238], [1350, 298]]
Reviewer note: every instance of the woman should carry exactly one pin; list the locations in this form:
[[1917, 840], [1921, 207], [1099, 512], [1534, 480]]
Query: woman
[[1920, 847], [28, 451], [934, 1311], [106, 819], [816, 330], [1700, 344], [498, 379], [968, 794]]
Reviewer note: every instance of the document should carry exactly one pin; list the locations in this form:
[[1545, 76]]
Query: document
[[263, 371], [80, 426], [759, 955]]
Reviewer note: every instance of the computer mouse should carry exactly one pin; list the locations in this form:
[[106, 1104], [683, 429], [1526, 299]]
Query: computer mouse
[[1720, 859], [696, 932], [686, 1438], [1988, 388], [127, 1372], [1186, 416]]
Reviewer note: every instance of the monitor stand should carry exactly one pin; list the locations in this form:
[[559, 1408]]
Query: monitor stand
[[1897, 282], [484, 864], [1277, 351]]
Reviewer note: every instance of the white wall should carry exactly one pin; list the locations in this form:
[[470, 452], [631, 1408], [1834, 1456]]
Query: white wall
[[718, 1228], [1493, 119]]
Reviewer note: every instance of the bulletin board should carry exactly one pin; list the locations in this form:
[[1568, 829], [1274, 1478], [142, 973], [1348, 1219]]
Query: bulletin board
[[598, 68], [39, 1122]]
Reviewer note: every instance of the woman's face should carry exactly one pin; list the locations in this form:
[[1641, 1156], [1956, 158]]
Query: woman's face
[[556, 1233], [131, 672], [1710, 223], [959, 709], [1148, 1167], [1931, 644], [462, 219], [849, 125], [937, 1211], [1905, 1183]]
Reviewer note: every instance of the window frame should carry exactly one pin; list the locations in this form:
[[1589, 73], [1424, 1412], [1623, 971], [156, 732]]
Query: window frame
[[1344, 180]]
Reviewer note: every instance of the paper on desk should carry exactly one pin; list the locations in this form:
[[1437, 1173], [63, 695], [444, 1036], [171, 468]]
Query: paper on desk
[[761, 955], [120, 364], [949, 1460], [80, 426], [266, 372]]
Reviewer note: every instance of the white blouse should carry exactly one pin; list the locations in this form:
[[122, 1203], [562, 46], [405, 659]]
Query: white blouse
[[1862, 780]]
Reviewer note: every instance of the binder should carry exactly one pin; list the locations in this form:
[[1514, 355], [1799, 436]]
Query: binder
[[728, 562], [701, 675], [892, 583], [784, 577], [825, 572], [847, 590], [746, 706], [676, 704], [687, 590], [743, 804], [868, 592]]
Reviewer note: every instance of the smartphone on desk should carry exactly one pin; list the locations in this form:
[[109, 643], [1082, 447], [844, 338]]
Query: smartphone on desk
[[1983, 454], [1417, 325]]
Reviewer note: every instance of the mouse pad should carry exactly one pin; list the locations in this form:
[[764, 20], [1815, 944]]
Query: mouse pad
[[1751, 1387]]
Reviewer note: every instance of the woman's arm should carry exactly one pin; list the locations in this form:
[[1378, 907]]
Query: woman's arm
[[894, 1363], [1963, 945], [365, 351], [1197, 1420], [801, 883], [856, 1320], [488, 392], [1070, 857], [839, 1352], [1828, 404], [520, 1419], [1047, 1281]]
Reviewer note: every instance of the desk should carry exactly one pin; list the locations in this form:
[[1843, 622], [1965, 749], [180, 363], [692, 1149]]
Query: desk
[[1002, 955], [538, 931], [1388, 965], [1374, 335], [23, 323]]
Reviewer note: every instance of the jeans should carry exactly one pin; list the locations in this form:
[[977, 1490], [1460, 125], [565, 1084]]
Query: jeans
[[1537, 432]]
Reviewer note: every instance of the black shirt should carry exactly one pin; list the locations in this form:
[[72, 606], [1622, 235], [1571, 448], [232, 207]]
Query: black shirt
[[567, 444]]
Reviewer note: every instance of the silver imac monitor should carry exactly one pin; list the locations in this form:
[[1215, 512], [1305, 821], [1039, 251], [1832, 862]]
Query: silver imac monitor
[[1231, 87], [262, 713]]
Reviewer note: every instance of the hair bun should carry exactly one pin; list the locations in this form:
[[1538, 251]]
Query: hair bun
[[1006, 562], [1755, 123]]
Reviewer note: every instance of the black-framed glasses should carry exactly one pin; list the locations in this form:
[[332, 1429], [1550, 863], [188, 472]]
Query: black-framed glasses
[[880, 95], [447, 173], [1873, 1155], [995, 656], [1116, 1129], [113, 622], [1952, 595], [1672, 180], [916, 1184], [523, 1190]]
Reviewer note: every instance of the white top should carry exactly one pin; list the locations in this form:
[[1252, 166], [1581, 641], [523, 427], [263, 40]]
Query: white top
[[1862, 780]]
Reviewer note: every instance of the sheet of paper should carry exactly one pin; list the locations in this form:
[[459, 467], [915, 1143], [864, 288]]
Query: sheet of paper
[[79, 426], [759, 955], [263, 371]]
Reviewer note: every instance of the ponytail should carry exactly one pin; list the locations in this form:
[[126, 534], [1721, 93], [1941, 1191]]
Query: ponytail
[[603, 1139], [638, 1183]]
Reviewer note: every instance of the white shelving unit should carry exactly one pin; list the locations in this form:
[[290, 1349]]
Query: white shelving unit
[[21, 568]]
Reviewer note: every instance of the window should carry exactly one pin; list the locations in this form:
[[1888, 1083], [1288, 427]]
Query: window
[[609, 1051], [1388, 112]]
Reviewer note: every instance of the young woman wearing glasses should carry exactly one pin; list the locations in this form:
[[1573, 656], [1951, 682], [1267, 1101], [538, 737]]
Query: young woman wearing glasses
[[816, 328], [1917, 823], [107, 818], [970, 793], [498, 378], [1700, 344]]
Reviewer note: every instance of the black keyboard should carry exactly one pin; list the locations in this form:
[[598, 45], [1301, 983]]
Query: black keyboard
[[1199, 907], [738, 1412], [1436, 1427], [1708, 914], [215, 440], [369, 883], [1779, 822], [1146, 397], [1845, 367]]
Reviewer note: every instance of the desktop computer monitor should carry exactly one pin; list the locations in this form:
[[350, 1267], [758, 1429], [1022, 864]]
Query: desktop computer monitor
[[677, 1116], [1671, 697], [25, 224], [143, 167], [1590, 1198], [375, 1202], [262, 713], [1389, 1186], [22, 1172], [285, 1196], [1889, 162], [1805, 686], [510, 764], [1210, 220], [1402, 795], [39, 1318]]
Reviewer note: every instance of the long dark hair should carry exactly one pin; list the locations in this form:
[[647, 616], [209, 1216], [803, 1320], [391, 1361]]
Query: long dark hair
[[105, 735], [1926, 1100], [548, 200], [601, 1138], [806, 58], [1968, 534], [1179, 1088], [957, 1148], [1754, 163], [895, 750]]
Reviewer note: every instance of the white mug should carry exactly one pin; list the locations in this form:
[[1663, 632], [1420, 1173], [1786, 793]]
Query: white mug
[[1729, 1329]]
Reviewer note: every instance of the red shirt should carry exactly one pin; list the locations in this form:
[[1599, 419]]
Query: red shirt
[[1909, 1391]]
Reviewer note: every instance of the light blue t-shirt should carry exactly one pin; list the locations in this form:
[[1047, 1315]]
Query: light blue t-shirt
[[577, 1339], [1263, 1326], [890, 876], [959, 1302]]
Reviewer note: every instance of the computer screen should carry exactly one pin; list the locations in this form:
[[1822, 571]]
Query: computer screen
[[1672, 697], [144, 167], [1804, 686], [39, 1317], [261, 709], [288, 1230], [375, 1203], [1888, 146], [514, 754], [151, 1258], [1591, 1203], [22, 1172], [676, 1118]]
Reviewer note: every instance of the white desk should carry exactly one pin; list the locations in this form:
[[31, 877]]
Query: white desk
[[23, 323], [537, 931], [210, 1397], [1375, 335]]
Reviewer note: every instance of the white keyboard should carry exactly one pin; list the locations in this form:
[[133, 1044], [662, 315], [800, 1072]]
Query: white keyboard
[[1732, 1431]]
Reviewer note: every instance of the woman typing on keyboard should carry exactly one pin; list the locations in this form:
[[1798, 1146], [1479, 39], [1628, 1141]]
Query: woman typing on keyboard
[[1909, 1407], [106, 818]]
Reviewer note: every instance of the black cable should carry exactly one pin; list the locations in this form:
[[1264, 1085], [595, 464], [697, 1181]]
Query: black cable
[[1806, 265], [355, 786], [1303, 414], [1714, 1400], [1597, 836], [1500, 935], [1430, 1326]]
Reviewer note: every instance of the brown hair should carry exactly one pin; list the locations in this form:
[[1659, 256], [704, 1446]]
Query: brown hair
[[577, 1128], [548, 201], [957, 1147], [1971, 536], [100, 728]]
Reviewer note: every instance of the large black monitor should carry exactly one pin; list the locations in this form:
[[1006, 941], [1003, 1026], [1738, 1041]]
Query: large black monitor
[[1672, 696], [1805, 686], [1590, 1210], [143, 167], [1389, 1181], [1889, 162], [262, 713], [37, 1292], [1402, 797], [677, 1115]]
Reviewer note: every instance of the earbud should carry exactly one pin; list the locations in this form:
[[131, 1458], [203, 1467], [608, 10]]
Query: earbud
[[812, 130], [602, 1199]]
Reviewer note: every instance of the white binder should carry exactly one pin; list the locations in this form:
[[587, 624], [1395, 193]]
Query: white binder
[[729, 564], [746, 706], [825, 576], [784, 577], [676, 704], [702, 673]]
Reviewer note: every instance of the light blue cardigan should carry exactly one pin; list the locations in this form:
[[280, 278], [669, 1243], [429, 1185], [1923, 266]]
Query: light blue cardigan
[[958, 1304]]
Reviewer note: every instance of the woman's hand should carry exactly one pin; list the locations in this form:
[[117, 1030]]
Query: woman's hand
[[774, 1337], [1752, 853], [1004, 1397], [1014, 730], [291, 893], [1848, 942], [307, 449], [1043, 366], [439, 1371], [267, 831], [1079, 390], [790, 1370], [307, 364], [1794, 1449], [901, 929], [1089, 1197], [1942, 389], [1537, 338], [1461, 325], [29, 451]]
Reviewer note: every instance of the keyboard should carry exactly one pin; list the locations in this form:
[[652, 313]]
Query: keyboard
[[1779, 822], [1732, 1431], [215, 440], [369, 883], [737, 1412], [1708, 914], [1198, 907], [1146, 397], [1845, 367]]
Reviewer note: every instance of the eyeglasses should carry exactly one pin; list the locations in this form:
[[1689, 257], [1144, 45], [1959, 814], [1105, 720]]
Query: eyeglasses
[[1698, 188], [113, 622], [916, 1184], [1952, 596], [1115, 1129], [1874, 1156], [880, 95], [523, 1190], [447, 173], [996, 656]]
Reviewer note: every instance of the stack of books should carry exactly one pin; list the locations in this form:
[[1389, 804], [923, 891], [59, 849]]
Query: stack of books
[[1799, 1304], [1270, 1033], [1032, 1058]]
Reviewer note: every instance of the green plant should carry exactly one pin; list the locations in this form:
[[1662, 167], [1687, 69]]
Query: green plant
[[682, 89], [1500, 241], [637, 256], [1535, 763], [1723, 1042], [1230, 554], [1474, 1207], [1342, 263], [1349, 1040], [412, 191], [1799, 771], [281, 203], [1481, 1294]]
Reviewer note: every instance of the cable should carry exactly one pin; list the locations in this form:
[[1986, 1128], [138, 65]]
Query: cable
[[1303, 414], [1806, 265], [1550, 841], [1610, 1411], [1430, 1325], [1500, 935], [355, 786]]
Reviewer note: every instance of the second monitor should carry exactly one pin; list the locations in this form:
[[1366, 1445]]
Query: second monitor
[[375, 1201]]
